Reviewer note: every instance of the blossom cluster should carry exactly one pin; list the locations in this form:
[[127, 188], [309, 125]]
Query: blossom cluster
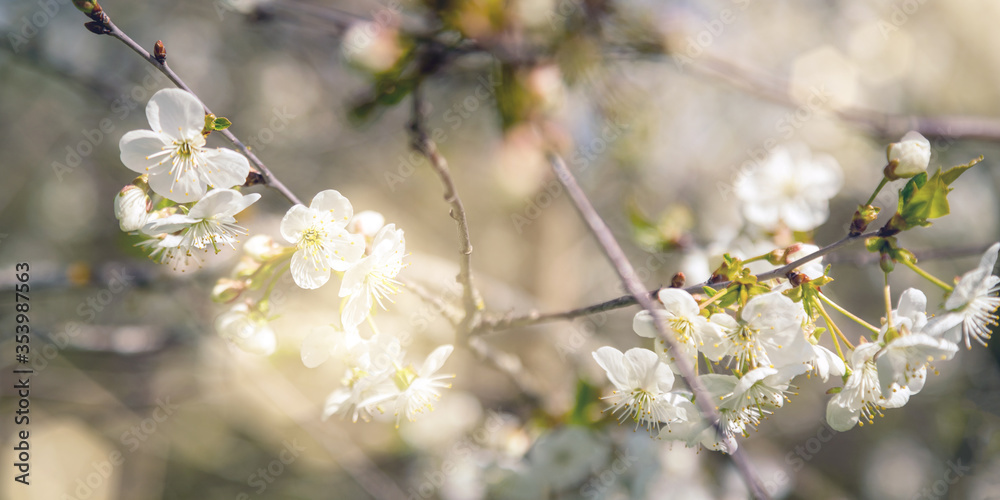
[[751, 339], [186, 201]]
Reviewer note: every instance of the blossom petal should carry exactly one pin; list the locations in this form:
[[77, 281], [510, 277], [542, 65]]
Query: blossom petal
[[175, 112], [678, 302], [296, 220], [613, 362], [306, 273], [332, 201], [138, 146], [185, 189], [224, 168], [357, 308], [840, 416], [435, 360]]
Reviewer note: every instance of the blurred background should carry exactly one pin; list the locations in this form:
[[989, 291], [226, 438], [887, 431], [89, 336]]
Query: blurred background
[[658, 108]]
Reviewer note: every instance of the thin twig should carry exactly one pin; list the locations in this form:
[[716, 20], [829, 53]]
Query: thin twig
[[269, 178], [533, 318], [423, 144], [627, 274]]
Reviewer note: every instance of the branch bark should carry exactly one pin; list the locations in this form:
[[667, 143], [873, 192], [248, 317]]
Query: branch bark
[[627, 274]]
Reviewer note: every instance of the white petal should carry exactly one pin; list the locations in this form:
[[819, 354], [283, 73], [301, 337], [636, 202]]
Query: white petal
[[839, 416], [296, 220], [306, 273], [136, 148], [612, 361], [332, 201], [215, 202], [187, 189], [224, 168], [176, 113], [643, 325], [357, 308], [678, 302], [435, 360]]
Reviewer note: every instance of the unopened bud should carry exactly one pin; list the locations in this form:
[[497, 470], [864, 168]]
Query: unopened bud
[[776, 257], [96, 28], [227, 290], [864, 215], [796, 278], [366, 223], [246, 267], [678, 280], [261, 247], [86, 6], [132, 206], [159, 52], [908, 157], [886, 263]]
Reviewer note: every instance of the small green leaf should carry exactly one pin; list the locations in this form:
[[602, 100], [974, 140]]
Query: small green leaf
[[221, 123], [910, 188], [950, 175]]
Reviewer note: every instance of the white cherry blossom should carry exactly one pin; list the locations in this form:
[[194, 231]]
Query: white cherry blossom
[[769, 333], [791, 187], [173, 153], [320, 235], [641, 385], [862, 396], [690, 329], [971, 309], [210, 222], [372, 279]]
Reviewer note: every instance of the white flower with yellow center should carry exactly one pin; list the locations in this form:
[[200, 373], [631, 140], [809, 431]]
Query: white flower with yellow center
[[210, 222], [690, 329], [972, 306], [862, 396], [416, 390], [791, 187], [322, 241], [173, 153], [372, 279], [769, 334], [641, 385]]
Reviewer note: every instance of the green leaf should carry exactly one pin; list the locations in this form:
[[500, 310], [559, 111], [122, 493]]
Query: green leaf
[[929, 201], [221, 123], [950, 175], [910, 188]]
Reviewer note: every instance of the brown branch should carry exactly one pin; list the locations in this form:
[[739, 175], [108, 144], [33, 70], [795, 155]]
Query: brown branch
[[507, 322], [423, 144], [627, 274], [269, 178]]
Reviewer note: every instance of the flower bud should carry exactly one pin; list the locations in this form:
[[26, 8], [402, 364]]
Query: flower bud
[[366, 223], [159, 52], [886, 263], [908, 157], [678, 280], [227, 290], [261, 247], [246, 267], [86, 6], [132, 206]]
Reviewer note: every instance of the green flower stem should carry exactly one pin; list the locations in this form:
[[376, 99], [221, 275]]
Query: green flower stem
[[928, 276], [836, 331], [885, 180], [888, 303], [847, 313], [274, 281]]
